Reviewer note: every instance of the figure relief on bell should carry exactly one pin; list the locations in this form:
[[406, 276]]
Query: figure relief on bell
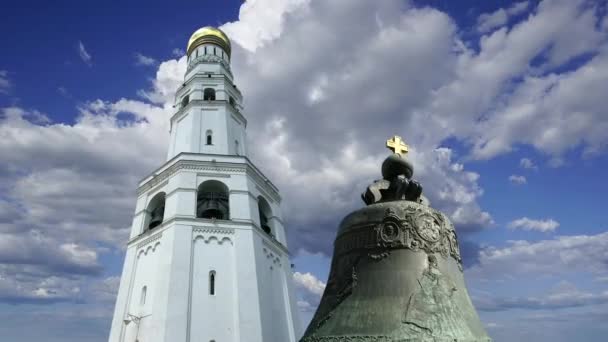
[[428, 227]]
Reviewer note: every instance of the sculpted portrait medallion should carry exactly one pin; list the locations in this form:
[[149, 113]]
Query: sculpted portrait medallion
[[389, 231], [428, 227]]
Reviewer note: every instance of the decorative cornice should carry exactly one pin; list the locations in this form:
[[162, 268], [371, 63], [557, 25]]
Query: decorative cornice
[[214, 175], [199, 165], [212, 230], [149, 240], [208, 59], [188, 165]]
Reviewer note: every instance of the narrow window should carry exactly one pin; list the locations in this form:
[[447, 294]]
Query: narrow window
[[142, 300], [212, 283], [209, 137], [236, 148], [205, 50], [214, 52], [231, 101], [196, 52]]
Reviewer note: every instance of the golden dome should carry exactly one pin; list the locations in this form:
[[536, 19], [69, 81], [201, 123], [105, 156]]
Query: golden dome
[[209, 34]]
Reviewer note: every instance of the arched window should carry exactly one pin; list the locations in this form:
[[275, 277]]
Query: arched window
[[237, 150], [212, 283], [265, 215], [185, 100], [142, 300], [212, 201], [209, 137], [155, 211], [215, 53], [209, 94]]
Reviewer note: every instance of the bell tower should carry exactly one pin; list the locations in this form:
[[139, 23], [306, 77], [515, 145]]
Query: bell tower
[[207, 258]]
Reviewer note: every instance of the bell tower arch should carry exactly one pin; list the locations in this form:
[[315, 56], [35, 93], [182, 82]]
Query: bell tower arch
[[207, 256]]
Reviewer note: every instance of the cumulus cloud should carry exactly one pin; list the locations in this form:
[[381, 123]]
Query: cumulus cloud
[[489, 21], [310, 289], [527, 163], [564, 296], [518, 179], [5, 83], [309, 282], [509, 91], [144, 60], [559, 256], [84, 54], [547, 225]]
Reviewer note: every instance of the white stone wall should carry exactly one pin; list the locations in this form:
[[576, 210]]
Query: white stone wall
[[254, 299], [254, 294]]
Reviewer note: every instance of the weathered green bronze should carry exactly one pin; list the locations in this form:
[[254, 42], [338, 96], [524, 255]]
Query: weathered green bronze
[[396, 272]]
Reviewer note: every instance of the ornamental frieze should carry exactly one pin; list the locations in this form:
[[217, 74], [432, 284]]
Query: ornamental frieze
[[414, 227]]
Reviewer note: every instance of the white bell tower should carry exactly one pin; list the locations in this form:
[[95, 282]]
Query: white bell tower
[[207, 259]]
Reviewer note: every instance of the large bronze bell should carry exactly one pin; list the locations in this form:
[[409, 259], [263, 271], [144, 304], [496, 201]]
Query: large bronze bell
[[396, 273]]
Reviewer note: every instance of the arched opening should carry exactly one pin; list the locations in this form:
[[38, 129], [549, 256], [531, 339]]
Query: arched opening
[[185, 101], [156, 211], [142, 300], [212, 283], [232, 101], [265, 215], [209, 94], [212, 201], [205, 50], [209, 137]]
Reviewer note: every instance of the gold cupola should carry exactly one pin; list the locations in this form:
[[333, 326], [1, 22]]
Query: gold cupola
[[210, 35]]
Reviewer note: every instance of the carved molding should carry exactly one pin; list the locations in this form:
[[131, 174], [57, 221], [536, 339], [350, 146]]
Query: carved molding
[[186, 165], [147, 250], [213, 175], [209, 230], [273, 256], [149, 240], [208, 59], [210, 233]]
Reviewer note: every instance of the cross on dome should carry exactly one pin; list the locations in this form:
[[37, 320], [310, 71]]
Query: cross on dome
[[397, 145]]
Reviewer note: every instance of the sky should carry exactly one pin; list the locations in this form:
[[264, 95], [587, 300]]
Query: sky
[[502, 104]]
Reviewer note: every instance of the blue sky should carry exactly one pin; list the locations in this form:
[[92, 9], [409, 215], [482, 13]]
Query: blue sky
[[502, 103]]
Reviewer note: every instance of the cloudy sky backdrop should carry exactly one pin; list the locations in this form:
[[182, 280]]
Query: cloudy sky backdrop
[[503, 104]]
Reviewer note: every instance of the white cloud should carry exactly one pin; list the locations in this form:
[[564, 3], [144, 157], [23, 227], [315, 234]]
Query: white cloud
[[5, 83], [563, 255], [547, 225], [489, 21], [564, 295], [309, 282], [84, 55], [144, 60], [527, 163], [517, 179], [509, 92]]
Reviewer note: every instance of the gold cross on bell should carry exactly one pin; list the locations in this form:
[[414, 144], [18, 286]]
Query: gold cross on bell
[[397, 145]]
